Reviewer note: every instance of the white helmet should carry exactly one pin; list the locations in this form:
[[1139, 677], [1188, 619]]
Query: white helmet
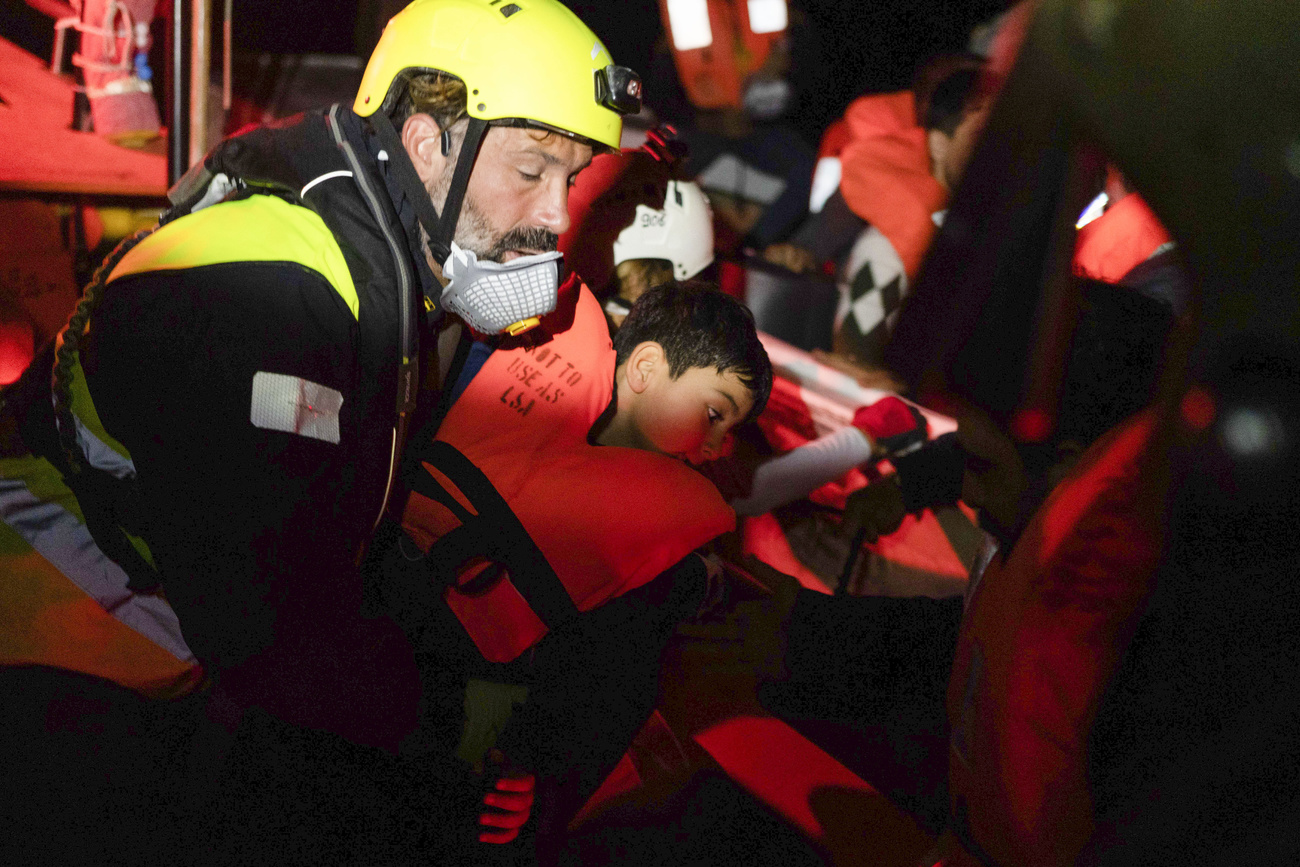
[[682, 232]]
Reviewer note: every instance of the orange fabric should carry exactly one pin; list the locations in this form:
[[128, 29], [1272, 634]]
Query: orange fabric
[[886, 174], [607, 519], [836, 136], [50, 621], [1044, 633], [1119, 240], [714, 76]]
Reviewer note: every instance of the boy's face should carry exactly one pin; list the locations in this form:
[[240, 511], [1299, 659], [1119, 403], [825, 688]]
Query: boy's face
[[689, 417]]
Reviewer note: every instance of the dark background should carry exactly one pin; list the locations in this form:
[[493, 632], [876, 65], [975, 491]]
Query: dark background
[[839, 48]]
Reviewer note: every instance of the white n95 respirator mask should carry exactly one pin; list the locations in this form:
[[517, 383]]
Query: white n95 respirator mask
[[497, 297]]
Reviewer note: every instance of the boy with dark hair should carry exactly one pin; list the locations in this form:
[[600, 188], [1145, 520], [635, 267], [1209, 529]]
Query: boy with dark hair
[[689, 367]]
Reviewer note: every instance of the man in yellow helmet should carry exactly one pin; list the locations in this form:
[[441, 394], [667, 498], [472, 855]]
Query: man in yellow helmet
[[233, 394]]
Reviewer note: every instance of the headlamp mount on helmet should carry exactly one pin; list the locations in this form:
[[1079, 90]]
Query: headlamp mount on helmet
[[618, 88]]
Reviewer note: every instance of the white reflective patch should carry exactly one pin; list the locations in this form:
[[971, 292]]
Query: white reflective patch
[[341, 173], [295, 405], [825, 181], [767, 16], [220, 187], [689, 22], [101, 456], [1095, 209], [727, 174]]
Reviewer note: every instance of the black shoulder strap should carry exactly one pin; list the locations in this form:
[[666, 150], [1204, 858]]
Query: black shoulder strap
[[490, 530]]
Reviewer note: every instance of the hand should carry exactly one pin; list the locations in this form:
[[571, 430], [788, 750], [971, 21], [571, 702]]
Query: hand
[[894, 426], [510, 801], [877, 509], [791, 257]]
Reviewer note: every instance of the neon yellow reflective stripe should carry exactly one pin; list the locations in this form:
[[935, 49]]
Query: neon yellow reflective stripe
[[44, 482], [256, 229]]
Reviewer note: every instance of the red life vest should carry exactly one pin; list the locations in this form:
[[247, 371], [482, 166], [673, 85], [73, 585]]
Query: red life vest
[[606, 519], [1045, 632], [716, 49], [1123, 237], [886, 174]]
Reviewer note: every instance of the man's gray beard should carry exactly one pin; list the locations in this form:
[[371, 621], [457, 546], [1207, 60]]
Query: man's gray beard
[[474, 233]]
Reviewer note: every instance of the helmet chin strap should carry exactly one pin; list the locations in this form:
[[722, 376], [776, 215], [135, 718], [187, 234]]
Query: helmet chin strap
[[440, 229]]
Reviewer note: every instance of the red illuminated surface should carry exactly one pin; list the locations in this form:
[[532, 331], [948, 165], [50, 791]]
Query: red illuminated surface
[[1032, 425], [1197, 408], [16, 349], [827, 802]]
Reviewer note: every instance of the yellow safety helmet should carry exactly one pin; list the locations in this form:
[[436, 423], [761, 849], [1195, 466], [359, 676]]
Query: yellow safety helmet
[[529, 59]]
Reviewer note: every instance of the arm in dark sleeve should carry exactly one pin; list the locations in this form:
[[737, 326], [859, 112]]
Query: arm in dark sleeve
[[830, 233], [931, 476], [253, 529], [597, 682], [867, 681]]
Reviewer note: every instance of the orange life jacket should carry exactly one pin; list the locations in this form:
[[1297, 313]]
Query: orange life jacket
[[605, 519], [1045, 631], [886, 174], [714, 74], [1123, 237]]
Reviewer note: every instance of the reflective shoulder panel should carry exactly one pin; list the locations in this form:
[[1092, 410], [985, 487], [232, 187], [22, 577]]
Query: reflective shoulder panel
[[260, 228], [64, 603], [99, 445]]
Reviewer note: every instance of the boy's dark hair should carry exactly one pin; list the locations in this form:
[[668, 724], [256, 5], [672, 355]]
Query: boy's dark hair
[[699, 326], [946, 90]]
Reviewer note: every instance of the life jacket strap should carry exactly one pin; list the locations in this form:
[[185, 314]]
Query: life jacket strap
[[491, 531]]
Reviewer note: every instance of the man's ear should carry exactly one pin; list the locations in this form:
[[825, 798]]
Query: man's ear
[[645, 362], [422, 139], [938, 143]]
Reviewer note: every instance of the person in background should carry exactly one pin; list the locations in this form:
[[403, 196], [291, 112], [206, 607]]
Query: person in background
[[900, 158], [637, 223], [732, 62]]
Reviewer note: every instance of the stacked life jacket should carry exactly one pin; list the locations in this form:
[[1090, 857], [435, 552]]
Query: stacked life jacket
[[1042, 639], [573, 524], [247, 373], [717, 54]]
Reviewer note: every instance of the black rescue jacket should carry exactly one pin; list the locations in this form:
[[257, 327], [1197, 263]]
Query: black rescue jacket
[[254, 360]]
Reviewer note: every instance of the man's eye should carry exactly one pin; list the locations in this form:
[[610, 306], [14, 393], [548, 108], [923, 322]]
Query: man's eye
[[529, 177], [714, 416]]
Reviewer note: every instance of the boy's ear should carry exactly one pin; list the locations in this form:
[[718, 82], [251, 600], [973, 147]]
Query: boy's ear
[[643, 364]]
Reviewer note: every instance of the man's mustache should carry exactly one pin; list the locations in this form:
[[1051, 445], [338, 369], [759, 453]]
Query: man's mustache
[[534, 239]]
